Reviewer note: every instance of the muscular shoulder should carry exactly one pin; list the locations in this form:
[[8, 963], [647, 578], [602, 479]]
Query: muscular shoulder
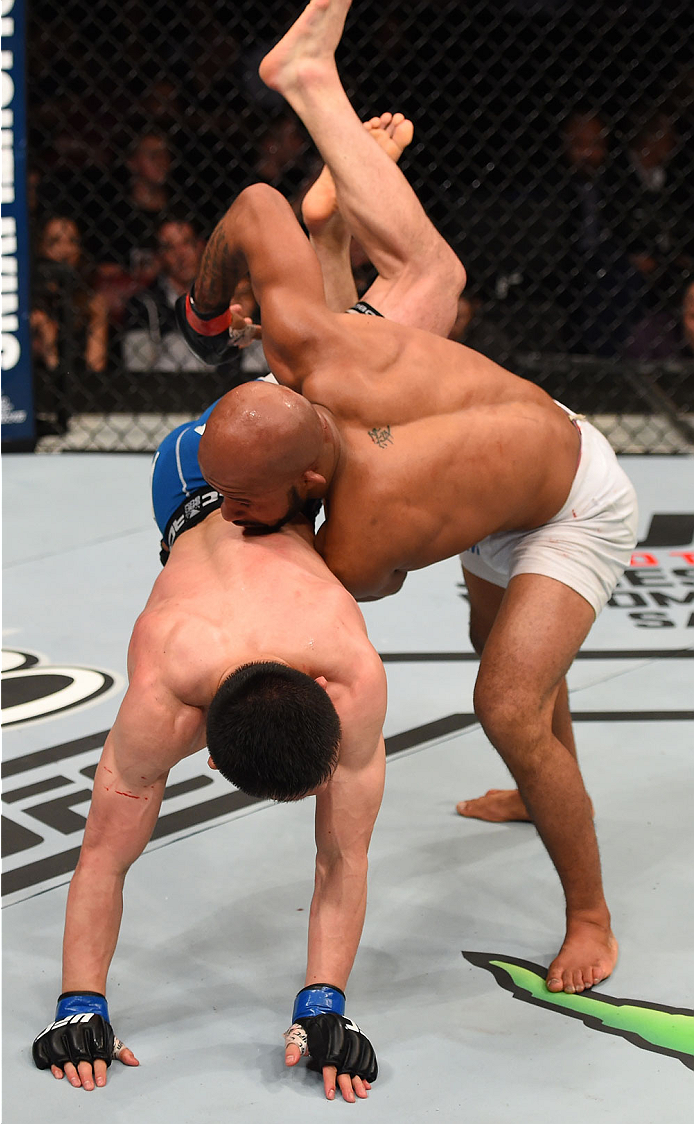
[[359, 697], [170, 652]]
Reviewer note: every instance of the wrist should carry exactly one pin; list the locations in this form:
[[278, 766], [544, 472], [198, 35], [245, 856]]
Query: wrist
[[318, 999], [201, 310], [81, 1003]]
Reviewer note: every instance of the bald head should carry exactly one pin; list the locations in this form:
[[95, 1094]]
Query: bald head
[[258, 435]]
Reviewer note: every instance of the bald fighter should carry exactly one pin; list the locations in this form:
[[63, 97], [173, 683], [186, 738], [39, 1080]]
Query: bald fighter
[[423, 449], [248, 645]]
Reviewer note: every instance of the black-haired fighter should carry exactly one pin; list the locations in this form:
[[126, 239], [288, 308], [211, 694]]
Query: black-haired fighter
[[250, 646]]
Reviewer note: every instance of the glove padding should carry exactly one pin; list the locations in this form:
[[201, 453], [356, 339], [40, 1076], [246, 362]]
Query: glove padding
[[335, 1040], [78, 1038], [214, 344]]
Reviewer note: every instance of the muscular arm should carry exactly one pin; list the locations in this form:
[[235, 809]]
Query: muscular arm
[[259, 235], [346, 810], [367, 575], [151, 733]]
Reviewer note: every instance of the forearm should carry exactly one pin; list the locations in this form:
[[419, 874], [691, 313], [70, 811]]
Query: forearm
[[233, 248], [336, 919], [92, 923]]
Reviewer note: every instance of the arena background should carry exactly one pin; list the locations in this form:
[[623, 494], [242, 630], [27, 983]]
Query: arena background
[[577, 270]]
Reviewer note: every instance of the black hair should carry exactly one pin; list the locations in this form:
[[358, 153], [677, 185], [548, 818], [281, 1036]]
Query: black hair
[[273, 731]]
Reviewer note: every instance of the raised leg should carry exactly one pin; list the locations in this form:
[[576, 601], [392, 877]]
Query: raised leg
[[538, 629], [417, 269], [330, 236]]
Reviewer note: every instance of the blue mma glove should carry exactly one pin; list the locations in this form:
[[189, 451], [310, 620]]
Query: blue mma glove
[[320, 1028], [208, 334], [81, 1032]]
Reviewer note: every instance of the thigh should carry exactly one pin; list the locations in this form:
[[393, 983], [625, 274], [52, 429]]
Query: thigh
[[416, 300], [538, 629]]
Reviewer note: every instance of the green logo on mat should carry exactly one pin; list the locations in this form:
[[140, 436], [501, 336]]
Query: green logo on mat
[[650, 1026]]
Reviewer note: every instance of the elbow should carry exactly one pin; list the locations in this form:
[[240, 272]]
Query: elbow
[[338, 863]]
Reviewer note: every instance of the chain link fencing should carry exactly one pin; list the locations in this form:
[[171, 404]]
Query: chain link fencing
[[553, 149]]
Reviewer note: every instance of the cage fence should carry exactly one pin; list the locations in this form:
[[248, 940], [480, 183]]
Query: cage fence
[[553, 149]]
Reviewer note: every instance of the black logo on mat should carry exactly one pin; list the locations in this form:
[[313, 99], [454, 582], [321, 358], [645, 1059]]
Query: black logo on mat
[[32, 689]]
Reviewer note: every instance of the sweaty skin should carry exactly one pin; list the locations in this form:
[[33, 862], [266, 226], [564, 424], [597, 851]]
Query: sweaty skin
[[225, 599], [427, 448]]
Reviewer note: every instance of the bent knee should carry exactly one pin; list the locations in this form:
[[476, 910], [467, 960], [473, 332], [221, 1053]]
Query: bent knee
[[444, 270], [512, 717]]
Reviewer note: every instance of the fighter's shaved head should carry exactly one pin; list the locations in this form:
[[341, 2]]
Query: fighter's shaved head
[[260, 433]]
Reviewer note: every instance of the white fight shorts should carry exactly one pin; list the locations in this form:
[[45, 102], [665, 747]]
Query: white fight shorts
[[587, 544]]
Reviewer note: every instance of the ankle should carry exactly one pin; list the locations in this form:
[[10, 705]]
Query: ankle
[[598, 916]]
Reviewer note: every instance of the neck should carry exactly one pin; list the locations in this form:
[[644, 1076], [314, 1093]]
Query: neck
[[332, 444]]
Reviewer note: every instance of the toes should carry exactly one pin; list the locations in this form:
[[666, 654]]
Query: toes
[[590, 977], [570, 981], [576, 985]]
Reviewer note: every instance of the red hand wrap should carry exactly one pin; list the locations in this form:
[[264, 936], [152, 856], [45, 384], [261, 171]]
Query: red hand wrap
[[212, 327]]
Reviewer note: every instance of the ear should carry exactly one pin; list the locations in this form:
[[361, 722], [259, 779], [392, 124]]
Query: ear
[[314, 479], [322, 682], [211, 763]]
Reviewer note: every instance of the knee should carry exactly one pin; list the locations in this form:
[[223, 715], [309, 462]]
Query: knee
[[510, 715], [458, 274], [438, 268], [447, 271]]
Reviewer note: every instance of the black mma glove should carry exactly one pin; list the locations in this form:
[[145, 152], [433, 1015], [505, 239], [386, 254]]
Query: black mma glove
[[209, 335], [81, 1032], [319, 1028]]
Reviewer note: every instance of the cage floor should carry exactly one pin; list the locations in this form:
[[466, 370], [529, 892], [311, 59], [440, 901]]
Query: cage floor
[[212, 945]]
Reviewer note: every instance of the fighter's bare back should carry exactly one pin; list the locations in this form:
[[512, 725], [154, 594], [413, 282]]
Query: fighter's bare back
[[272, 599]]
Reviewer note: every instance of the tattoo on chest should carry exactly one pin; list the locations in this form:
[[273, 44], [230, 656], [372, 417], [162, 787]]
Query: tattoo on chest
[[381, 437]]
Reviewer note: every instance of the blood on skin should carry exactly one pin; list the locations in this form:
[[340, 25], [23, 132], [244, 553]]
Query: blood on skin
[[128, 794]]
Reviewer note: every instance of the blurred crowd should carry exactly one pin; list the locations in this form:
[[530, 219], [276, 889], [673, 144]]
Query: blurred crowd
[[589, 252]]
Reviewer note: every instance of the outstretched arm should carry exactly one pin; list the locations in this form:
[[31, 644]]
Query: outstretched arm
[[152, 732], [346, 810]]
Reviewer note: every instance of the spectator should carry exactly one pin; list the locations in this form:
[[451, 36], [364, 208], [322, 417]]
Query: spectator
[[151, 339], [660, 335], [653, 208], [69, 320], [284, 160], [653, 201], [645, 224], [126, 218], [596, 285], [65, 294]]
